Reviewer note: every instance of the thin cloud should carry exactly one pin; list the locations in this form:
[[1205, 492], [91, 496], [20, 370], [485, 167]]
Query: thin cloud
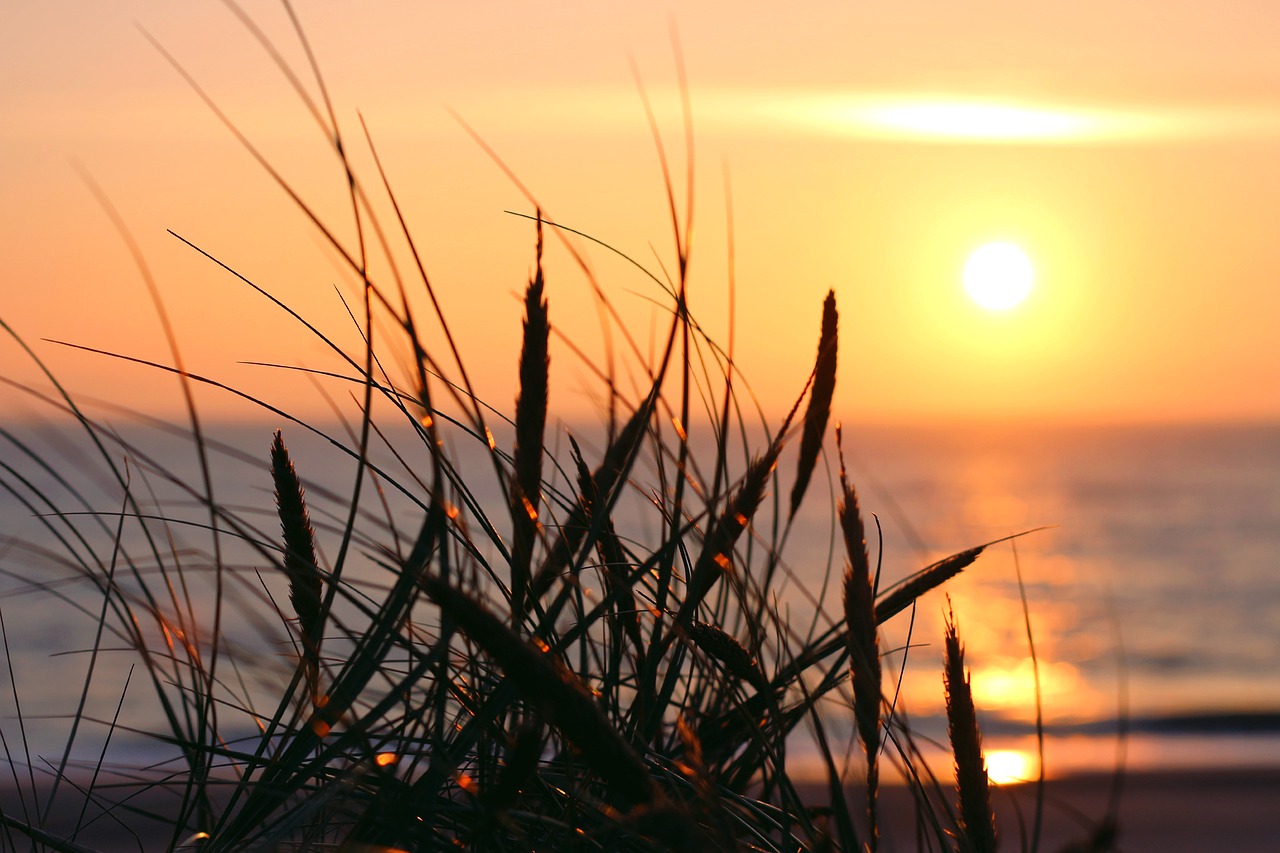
[[916, 117]]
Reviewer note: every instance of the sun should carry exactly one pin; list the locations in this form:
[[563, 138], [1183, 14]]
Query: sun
[[1010, 766], [998, 276]]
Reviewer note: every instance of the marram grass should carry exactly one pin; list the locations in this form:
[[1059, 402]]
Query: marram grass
[[596, 660], [977, 820]]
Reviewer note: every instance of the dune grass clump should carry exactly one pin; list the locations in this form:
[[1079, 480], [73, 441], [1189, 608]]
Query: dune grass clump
[[598, 658], [531, 676]]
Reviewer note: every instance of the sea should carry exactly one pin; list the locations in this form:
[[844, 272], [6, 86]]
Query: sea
[[1126, 613]]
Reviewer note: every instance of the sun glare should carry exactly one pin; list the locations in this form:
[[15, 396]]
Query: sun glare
[[998, 276], [1009, 766]]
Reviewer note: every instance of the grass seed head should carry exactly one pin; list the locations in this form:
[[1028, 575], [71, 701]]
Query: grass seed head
[[820, 396], [977, 820], [299, 556], [530, 421], [725, 648]]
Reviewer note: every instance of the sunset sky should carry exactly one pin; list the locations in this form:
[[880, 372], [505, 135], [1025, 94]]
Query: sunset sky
[[1131, 150]]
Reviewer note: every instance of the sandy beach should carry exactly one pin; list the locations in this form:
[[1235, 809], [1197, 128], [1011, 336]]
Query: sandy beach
[[1161, 812], [1169, 811]]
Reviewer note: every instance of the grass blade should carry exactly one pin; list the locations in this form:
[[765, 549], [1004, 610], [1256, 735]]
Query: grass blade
[[560, 696]]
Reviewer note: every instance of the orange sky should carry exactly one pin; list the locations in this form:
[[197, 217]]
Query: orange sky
[[1142, 177]]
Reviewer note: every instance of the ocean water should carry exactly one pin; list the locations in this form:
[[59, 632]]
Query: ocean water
[[1155, 595], [1150, 564]]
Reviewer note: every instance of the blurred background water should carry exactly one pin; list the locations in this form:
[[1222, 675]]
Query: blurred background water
[[1156, 592], [1153, 592]]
